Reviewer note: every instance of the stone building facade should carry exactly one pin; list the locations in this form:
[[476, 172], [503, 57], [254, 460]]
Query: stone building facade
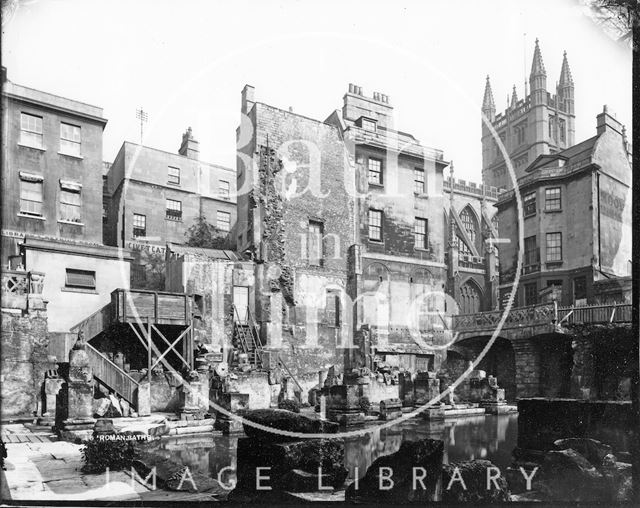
[[471, 230], [52, 205], [540, 123], [576, 218], [154, 197], [349, 223], [51, 168], [296, 222]]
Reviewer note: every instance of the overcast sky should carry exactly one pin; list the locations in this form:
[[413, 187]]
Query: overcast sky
[[186, 62]]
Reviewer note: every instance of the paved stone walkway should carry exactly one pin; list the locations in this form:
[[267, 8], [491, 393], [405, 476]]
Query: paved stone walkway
[[41, 468], [26, 433]]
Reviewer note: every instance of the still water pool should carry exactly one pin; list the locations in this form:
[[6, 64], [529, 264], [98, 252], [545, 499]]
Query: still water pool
[[472, 437]]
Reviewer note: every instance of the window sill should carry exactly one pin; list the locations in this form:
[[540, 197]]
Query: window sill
[[375, 184], [27, 216], [422, 249], [559, 210], [377, 242], [66, 289], [73, 223], [79, 157], [173, 184], [172, 219], [527, 216], [39, 148]]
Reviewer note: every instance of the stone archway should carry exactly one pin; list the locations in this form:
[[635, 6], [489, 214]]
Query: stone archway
[[499, 361]]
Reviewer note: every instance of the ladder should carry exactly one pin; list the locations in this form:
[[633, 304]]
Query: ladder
[[247, 334]]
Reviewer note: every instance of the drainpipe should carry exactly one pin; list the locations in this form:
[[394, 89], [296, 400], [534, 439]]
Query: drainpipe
[[599, 233]]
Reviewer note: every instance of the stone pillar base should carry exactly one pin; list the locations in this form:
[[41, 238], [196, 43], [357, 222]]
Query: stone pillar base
[[495, 408], [346, 418], [228, 425], [74, 429], [433, 413]]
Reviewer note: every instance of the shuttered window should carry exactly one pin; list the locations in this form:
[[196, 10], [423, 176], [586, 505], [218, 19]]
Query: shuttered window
[[31, 197], [84, 279], [70, 205]]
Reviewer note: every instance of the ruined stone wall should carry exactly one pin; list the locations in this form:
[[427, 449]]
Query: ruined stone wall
[[24, 362], [302, 179]]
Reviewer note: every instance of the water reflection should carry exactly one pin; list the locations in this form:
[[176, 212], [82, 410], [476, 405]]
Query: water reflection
[[476, 437]]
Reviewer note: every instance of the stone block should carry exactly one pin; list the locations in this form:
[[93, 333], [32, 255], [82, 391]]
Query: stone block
[[433, 413], [143, 399]]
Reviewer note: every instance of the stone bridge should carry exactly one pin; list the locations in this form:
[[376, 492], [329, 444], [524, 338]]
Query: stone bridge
[[538, 351]]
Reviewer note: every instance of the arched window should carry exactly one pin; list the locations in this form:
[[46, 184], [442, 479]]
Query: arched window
[[470, 298], [469, 223]]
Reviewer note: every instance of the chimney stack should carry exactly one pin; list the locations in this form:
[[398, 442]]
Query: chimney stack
[[189, 147], [605, 121], [247, 99]]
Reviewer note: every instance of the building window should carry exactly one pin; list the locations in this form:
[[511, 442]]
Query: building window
[[314, 243], [83, 279], [420, 234], [105, 213], [31, 130], [69, 139], [70, 205], [530, 251], [552, 198], [521, 133], [531, 294], [139, 225], [562, 126], [375, 225], [223, 221], [224, 189], [463, 248], [554, 282], [368, 125], [375, 171], [469, 224], [173, 176], [174, 209], [554, 246], [418, 180], [31, 196], [530, 204]]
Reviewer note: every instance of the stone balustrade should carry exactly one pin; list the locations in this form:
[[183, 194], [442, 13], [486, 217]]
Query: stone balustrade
[[22, 290]]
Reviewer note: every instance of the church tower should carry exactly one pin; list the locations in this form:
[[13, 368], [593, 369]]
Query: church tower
[[539, 123]]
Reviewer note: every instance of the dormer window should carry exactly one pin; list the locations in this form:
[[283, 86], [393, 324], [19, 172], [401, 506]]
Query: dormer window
[[368, 124]]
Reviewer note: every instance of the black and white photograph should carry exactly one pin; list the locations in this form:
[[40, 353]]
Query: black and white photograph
[[289, 252]]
